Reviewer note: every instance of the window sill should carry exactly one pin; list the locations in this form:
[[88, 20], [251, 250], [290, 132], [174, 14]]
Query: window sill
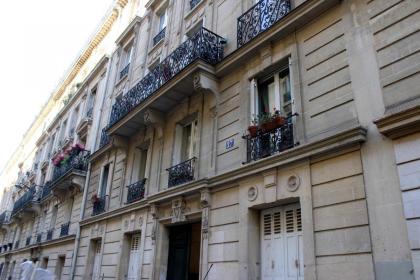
[[193, 10], [157, 46], [123, 78]]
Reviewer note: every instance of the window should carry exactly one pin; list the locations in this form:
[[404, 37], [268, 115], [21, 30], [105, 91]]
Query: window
[[59, 267], [160, 34], [104, 181], [274, 92], [162, 21], [128, 55], [53, 216], [134, 258], [188, 147], [96, 269], [74, 118], [139, 164], [44, 263], [63, 132]]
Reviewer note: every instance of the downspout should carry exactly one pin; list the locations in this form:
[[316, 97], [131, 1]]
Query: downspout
[[85, 189]]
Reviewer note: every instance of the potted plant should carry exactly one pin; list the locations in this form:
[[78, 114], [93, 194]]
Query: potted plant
[[266, 122], [253, 127], [278, 119], [95, 198]]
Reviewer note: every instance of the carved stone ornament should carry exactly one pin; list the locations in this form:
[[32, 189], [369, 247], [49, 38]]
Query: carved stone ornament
[[178, 210], [205, 222], [154, 213], [205, 198], [293, 183], [252, 193]]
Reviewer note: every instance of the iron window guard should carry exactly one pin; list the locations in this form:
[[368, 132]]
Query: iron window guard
[[159, 36], [265, 144], [64, 231], [181, 173], [28, 240], [136, 191], [16, 244], [124, 71], [50, 234], [105, 138], [24, 200], [204, 45], [39, 238], [99, 206], [194, 3], [259, 18]]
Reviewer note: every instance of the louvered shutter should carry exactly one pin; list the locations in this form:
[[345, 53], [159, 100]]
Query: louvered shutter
[[96, 271], [134, 261]]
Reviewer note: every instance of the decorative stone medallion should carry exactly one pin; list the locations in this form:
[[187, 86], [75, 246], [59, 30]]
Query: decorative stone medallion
[[252, 193], [293, 183]]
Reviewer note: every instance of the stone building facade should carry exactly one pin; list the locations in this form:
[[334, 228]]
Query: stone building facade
[[154, 166]]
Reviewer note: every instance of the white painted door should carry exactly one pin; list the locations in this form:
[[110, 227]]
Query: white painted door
[[96, 271], [281, 243], [134, 261]]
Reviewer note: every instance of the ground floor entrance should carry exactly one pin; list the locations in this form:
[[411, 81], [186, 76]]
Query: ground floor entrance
[[184, 252], [281, 243]]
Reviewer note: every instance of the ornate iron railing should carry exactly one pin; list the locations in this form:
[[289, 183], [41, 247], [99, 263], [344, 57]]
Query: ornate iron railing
[[39, 238], [28, 240], [17, 244], [64, 231], [159, 36], [194, 3], [78, 160], [99, 206], [124, 71], [5, 217], [105, 138], [50, 234], [259, 18], [136, 191], [204, 45], [181, 173], [268, 143], [46, 190], [24, 200]]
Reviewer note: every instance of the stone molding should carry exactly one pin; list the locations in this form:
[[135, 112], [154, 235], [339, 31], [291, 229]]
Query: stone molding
[[400, 123]]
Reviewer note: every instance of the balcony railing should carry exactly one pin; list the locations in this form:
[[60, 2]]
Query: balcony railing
[[194, 3], [259, 18], [269, 143], [50, 234], [76, 161], [159, 36], [181, 173], [124, 71], [105, 138], [64, 231], [204, 45], [136, 191], [24, 200], [28, 240], [39, 238], [99, 206], [46, 190], [5, 217]]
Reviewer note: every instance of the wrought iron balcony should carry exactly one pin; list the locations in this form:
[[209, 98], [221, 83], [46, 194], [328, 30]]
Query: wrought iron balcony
[[204, 45], [5, 217], [77, 161], [136, 191], [259, 18], [64, 231], [17, 244], [99, 206], [269, 143], [46, 190], [181, 173], [124, 71], [27, 198], [159, 36], [50, 234], [194, 3], [28, 240], [105, 138], [39, 238]]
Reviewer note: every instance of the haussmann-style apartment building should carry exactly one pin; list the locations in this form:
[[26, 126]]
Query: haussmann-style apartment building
[[226, 139]]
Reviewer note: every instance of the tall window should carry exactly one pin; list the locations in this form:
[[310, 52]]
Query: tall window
[[274, 92], [139, 165], [53, 216], [128, 55], [162, 21], [74, 118], [63, 131], [134, 258], [188, 147], [104, 181]]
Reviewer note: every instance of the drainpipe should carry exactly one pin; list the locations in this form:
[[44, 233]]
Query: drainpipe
[[85, 189]]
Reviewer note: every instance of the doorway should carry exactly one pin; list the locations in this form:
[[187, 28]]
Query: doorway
[[184, 252], [281, 243]]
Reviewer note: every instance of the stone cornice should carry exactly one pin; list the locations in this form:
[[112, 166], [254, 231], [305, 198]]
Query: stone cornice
[[397, 124], [345, 139], [128, 30]]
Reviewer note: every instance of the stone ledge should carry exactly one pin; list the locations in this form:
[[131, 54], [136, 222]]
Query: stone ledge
[[400, 123]]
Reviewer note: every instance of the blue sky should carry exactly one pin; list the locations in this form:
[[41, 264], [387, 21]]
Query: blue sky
[[40, 39]]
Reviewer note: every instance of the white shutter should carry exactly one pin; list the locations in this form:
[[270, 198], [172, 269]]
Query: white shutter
[[281, 243], [96, 271], [134, 261]]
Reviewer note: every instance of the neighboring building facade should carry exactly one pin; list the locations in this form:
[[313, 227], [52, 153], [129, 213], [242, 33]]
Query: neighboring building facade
[[154, 168]]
